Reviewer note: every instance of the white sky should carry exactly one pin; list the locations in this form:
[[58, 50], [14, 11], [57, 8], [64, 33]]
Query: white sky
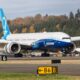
[[23, 8]]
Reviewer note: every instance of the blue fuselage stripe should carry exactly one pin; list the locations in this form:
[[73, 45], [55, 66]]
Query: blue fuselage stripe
[[50, 43]]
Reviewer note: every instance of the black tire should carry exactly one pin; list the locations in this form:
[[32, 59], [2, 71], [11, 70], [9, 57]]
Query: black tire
[[4, 57], [45, 55], [64, 54], [18, 55]]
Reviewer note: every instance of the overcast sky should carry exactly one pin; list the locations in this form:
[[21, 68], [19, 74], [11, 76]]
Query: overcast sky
[[23, 8]]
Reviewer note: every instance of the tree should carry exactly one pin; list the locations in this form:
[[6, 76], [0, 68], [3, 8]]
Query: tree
[[24, 30], [15, 31], [44, 30], [58, 27], [32, 30], [77, 15], [71, 16]]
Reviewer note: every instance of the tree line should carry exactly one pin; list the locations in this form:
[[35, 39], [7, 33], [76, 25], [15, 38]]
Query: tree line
[[69, 24]]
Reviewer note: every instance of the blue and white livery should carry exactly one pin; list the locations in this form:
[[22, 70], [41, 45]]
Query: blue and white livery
[[46, 41], [4, 24]]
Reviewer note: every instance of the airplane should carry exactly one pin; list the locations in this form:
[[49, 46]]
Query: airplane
[[42, 41]]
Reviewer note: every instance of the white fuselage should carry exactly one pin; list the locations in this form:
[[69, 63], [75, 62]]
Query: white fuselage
[[30, 38]]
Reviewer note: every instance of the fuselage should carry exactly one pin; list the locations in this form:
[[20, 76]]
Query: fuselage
[[29, 38]]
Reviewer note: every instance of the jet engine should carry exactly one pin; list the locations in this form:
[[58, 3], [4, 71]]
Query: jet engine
[[12, 48], [69, 49]]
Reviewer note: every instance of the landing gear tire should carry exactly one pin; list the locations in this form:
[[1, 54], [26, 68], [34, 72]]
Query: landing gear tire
[[64, 54], [4, 57], [18, 55], [45, 55], [67, 53]]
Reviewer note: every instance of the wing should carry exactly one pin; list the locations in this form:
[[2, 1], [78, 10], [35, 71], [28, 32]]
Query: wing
[[4, 41], [77, 49], [77, 38]]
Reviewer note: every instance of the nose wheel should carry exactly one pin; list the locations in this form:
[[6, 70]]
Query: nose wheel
[[66, 51]]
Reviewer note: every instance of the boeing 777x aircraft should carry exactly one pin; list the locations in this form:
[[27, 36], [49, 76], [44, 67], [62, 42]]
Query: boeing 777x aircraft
[[46, 41]]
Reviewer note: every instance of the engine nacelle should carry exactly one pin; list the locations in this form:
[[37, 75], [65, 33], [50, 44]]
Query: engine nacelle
[[69, 49], [12, 48]]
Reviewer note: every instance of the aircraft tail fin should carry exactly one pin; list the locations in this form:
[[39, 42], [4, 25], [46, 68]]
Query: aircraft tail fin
[[6, 30]]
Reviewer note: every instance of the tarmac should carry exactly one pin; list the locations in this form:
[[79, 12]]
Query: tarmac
[[68, 65], [65, 69]]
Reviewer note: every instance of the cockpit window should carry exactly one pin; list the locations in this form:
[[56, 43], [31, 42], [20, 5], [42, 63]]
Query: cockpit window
[[66, 38]]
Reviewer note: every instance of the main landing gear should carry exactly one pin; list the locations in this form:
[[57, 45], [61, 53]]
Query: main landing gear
[[45, 54], [18, 55]]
